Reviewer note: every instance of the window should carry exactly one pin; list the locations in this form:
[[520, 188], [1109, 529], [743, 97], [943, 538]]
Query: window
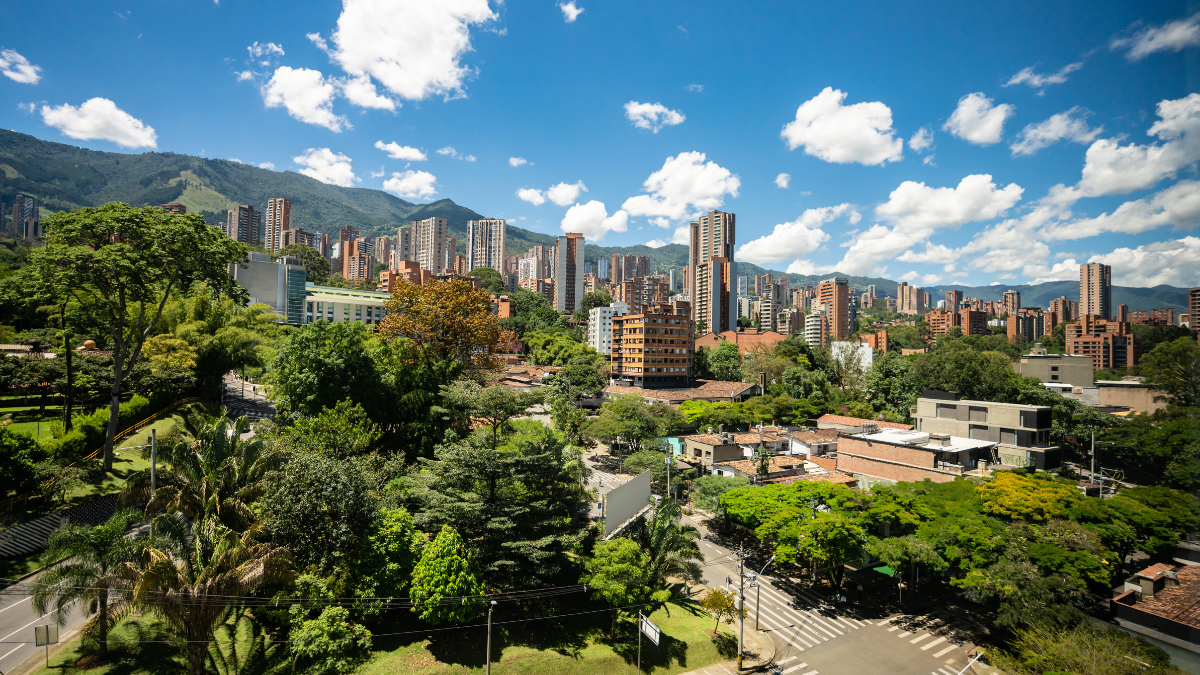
[[947, 410]]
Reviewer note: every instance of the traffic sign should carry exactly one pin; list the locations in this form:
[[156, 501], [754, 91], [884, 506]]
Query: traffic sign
[[650, 630]]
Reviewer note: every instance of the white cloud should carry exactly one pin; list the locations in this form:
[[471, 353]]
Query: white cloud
[[682, 235], [1067, 270], [258, 50], [915, 206], [592, 220], [684, 182], [266, 165], [380, 173], [652, 116], [245, 75], [100, 119], [411, 184], [796, 239], [922, 140], [235, 159], [327, 167], [828, 130], [361, 92], [517, 161], [1175, 262], [928, 160], [17, 68], [451, 152], [1037, 80], [570, 11], [566, 193], [1178, 205], [1172, 36], [532, 196], [695, 88], [921, 280], [30, 107], [410, 47], [976, 120], [783, 180], [404, 152], [657, 243], [1070, 125], [307, 96], [934, 253]]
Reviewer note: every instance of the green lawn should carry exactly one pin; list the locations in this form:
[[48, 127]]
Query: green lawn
[[30, 420]]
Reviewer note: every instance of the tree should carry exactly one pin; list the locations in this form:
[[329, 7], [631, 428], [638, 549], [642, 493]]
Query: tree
[[316, 266], [1080, 648], [340, 432], [978, 376], [447, 570], [830, 540], [1173, 368], [805, 384], [187, 578], [498, 405], [446, 319], [891, 385], [763, 361], [18, 456], [331, 643], [577, 380], [91, 573], [560, 348], [700, 363], [619, 572], [672, 547], [597, 298], [707, 490], [1015, 496], [490, 280], [721, 605], [907, 553], [384, 567], [321, 364], [725, 362], [628, 421], [123, 264]]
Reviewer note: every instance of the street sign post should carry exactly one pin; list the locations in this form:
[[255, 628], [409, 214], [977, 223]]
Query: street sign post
[[648, 629], [45, 636]]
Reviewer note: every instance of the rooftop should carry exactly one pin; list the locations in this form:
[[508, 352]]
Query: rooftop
[[858, 422], [814, 435], [702, 390], [830, 477], [1180, 603], [920, 439], [739, 437], [777, 463], [1155, 570]]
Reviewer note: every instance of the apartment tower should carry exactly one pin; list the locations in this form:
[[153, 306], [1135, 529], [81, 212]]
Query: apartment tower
[[1012, 302], [429, 243], [834, 294], [1095, 290], [242, 223], [26, 218], [713, 235], [568, 278], [714, 300], [485, 244], [279, 220]]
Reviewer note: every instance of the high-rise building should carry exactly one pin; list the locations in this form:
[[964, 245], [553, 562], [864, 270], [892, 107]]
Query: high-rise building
[[1064, 310], [713, 235], [568, 268], [871, 290], [910, 299], [316, 240], [1095, 290], [529, 269], [615, 269], [429, 241], [1122, 312], [834, 294], [602, 269], [743, 288], [1194, 309], [26, 218], [1030, 325], [1012, 301], [816, 325], [762, 282], [642, 293], [954, 300], [973, 322], [403, 248], [653, 349], [279, 220], [242, 224], [713, 298], [628, 267], [1111, 344], [485, 244], [175, 208], [642, 266]]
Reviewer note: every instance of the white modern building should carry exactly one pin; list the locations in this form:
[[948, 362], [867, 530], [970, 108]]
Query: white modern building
[[599, 331]]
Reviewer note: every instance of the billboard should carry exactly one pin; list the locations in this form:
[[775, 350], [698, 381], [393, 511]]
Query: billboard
[[625, 501]]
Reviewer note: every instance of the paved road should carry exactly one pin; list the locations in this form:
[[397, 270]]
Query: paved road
[[244, 398], [17, 621]]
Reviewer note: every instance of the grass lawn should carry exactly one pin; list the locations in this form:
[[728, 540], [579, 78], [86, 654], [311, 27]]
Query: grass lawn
[[26, 420], [557, 646], [138, 646]]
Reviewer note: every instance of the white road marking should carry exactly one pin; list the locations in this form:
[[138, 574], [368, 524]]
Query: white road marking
[[796, 667], [15, 604], [25, 626], [944, 652], [904, 634], [933, 644], [919, 638], [893, 628], [946, 672]]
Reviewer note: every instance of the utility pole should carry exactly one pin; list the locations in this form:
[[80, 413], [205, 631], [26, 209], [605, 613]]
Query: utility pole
[[153, 461], [667, 459], [741, 606], [489, 638], [639, 666], [1093, 481]]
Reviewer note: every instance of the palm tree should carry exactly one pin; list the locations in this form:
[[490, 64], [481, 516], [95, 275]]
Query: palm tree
[[94, 572], [188, 582], [214, 472], [673, 547]]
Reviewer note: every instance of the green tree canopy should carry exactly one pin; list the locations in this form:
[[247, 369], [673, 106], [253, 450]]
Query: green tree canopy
[[316, 266], [490, 279], [447, 570]]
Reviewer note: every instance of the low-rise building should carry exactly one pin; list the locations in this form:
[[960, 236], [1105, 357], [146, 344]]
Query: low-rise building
[[502, 307], [1162, 601], [1021, 432], [744, 339], [1110, 344], [811, 441], [891, 455], [1056, 368], [856, 425], [652, 349], [344, 304], [710, 391]]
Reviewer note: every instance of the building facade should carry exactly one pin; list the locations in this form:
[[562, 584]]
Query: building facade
[[279, 283], [713, 235], [568, 273], [344, 304], [600, 326], [1110, 344], [652, 350], [429, 243], [485, 244], [1022, 432], [278, 221], [834, 295], [714, 298], [1011, 302], [1050, 368], [242, 224], [642, 293], [26, 218], [1095, 290], [1030, 325]]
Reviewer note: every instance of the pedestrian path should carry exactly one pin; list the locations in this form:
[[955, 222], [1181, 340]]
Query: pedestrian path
[[607, 478], [797, 615], [934, 645]]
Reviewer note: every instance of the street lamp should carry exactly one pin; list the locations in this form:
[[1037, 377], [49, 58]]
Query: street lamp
[[757, 596], [1093, 428]]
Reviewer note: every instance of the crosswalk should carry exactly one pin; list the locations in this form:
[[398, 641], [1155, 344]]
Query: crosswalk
[[940, 643], [799, 619], [608, 479], [786, 667]]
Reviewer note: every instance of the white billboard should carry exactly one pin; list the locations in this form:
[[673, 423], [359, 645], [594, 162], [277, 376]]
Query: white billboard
[[625, 501]]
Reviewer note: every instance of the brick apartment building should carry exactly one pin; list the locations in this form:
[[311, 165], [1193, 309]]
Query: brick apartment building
[[1111, 344], [1030, 325], [653, 349]]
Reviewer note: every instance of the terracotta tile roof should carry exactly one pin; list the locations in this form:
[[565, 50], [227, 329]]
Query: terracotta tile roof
[[707, 439], [743, 339], [1156, 569], [814, 435], [857, 422], [750, 467], [702, 390], [1182, 603], [831, 477], [739, 437]]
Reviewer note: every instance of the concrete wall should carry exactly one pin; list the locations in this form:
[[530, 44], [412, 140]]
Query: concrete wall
[[890, 462], [1139, 399]]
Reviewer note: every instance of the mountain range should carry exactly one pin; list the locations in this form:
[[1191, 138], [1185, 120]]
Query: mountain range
[[64, 177]]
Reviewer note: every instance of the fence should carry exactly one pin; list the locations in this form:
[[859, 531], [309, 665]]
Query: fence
[[24, 499]]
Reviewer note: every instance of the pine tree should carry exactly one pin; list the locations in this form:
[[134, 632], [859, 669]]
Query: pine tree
[[446, 572]]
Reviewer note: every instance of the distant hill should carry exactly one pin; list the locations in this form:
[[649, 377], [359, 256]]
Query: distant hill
[[1040, 295]]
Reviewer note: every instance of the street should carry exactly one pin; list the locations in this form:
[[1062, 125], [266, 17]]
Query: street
[[17, 621]]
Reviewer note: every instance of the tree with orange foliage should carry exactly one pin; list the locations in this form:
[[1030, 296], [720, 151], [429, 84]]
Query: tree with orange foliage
[[447, 319]]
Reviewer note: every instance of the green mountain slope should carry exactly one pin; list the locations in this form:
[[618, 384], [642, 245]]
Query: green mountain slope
[[1040, 295]]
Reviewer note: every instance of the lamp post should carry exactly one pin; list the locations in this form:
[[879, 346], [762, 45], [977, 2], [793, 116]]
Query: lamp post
[[489, 637]]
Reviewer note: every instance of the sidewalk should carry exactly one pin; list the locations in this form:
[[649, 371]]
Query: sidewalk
[[756, 658]]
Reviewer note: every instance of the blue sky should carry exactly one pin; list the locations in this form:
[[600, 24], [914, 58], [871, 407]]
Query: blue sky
[[932, 142]]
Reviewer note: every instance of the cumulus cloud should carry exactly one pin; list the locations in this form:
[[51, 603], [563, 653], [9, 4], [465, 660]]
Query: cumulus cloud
[[828, 130], [683, 183], [570, 11], [976, 120], [361, 92], [657, 243], [17, 68], [100, 119], [1178, 205], [789, 241], [411, 47], [517, 161], [411, 184], [404, 152], [1070, 125], [532, 196], [934, 253], [267, 165], [917, 206], [327, 167], [922, 140], [259, 50], [1111, 168], [306, 95], [682, 235], [592, 220], [244, 75], [451, 152], [921, 279], [1175, 261], [1172, 36], [380, 173], [652, 116], [783, 180], [1034, 80], [566, 193]]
